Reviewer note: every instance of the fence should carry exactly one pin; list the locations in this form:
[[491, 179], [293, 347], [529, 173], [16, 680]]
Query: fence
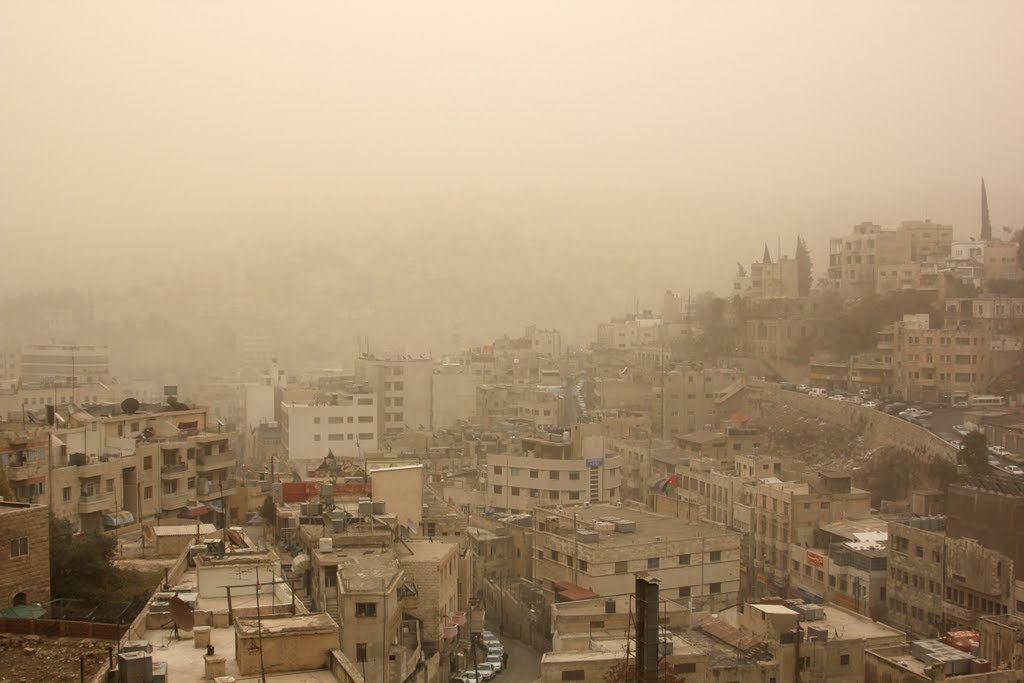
[[59, 628]]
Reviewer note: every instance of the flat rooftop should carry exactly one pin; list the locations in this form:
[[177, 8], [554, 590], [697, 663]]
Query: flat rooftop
[[185, 662], [426, 551], [595, 606], [650, 527]]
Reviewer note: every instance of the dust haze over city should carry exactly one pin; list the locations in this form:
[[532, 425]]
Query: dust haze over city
[[694, 259]]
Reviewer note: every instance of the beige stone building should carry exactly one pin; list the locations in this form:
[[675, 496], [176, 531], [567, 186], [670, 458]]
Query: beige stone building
[[857, 260], [24, 555], [767, 279], [598, 550], [789, 513], [696, 396], [404, 387]]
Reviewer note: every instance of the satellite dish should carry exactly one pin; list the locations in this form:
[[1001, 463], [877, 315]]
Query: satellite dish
[[129, 406], [184, 620]]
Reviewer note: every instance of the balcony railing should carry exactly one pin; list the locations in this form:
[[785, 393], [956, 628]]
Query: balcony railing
[[173, 501], [215, 461], [174, 469], [213, 490], [95, 502]]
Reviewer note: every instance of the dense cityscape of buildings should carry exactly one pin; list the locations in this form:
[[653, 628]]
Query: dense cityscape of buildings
[[369, 523]]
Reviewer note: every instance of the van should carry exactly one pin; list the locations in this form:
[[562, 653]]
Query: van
[[817, 392]]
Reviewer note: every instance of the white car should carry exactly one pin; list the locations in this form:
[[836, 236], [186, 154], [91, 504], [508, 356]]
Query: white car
[[1000, 451], [870, 404], [962, 430], [803, 388], [487, 671], [471, 676], [496, 661], [1013, 469]]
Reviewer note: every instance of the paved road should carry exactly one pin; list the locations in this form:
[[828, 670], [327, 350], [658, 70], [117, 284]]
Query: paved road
[[523, 661]]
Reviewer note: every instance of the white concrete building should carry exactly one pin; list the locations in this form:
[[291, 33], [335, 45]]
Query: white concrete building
[[343, 421]]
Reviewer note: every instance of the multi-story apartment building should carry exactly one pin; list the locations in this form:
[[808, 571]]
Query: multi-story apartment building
[[598, 550], [938, 583], [104, 472], [539, 407], [344, 421], [856, 260], [1000, 261], [767, 279], [718, 485], [403, 386], [846, 565], [64, 363], [630, 331], [784, 514], [545, 343], [17, 400], [24, 555], [697, 396], [550, 468]]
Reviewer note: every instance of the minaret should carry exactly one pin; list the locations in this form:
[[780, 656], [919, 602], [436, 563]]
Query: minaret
[[986, 224]]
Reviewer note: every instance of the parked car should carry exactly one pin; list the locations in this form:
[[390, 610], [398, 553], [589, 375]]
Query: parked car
[[803, 388], [818, 392], [1014, 470], [487, 671], [471, 676], [870, 404], [496, 661], [1000, 451], [962, 430]]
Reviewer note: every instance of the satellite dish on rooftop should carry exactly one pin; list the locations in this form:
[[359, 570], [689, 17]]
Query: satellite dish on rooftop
[[129, 406], [184, 620]]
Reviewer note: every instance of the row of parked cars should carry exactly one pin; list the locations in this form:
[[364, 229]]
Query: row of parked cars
[[490, 661]]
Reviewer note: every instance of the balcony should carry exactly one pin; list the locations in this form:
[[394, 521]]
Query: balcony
[[215, 461], [28, 470], [215, 490], [173, 471], [173, 501], [96, 502]]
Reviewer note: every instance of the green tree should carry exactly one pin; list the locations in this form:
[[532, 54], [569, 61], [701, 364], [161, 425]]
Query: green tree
[[974, 453], [81, 566], [803, 267]]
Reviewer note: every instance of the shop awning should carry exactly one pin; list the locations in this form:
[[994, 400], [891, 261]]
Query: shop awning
[[118, 519]]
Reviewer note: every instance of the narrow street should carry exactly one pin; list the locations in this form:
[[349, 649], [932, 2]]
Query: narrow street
[[523, 661]]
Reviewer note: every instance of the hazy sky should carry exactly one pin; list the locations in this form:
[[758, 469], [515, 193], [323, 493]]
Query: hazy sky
[[135, 136]]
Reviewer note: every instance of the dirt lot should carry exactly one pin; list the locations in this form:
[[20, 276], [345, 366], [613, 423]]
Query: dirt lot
[[31, 659]]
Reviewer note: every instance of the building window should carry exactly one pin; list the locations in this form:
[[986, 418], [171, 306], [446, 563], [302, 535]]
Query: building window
[[332, 420], [597, 624], [366, 436], [19, 547], [686, 668], [844, 660], [497, 489], [553, 474], [553, 495], [366, 609], [333, 437], [316, 420], [360, 652], [66, 493], [554, 555], [573, 675], [653, 562], [147, 493], [574, 495], [366, 418], [330, 578], [620, 567], [684, 559], [684, 591], [716, 555], [534, 474], [583, 565], [515, 490], [497, 469], [147, 462], [715, 588], [574, 476]]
